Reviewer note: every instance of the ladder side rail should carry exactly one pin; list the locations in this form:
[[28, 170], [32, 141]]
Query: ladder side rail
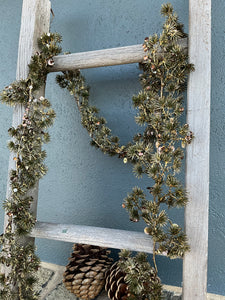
[[35, 20], [197, 160]]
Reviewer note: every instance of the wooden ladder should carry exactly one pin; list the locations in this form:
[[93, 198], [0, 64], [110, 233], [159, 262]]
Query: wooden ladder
[[35, 21]]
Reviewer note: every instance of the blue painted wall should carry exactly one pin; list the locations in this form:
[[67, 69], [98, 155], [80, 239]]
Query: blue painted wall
[[84, 186]]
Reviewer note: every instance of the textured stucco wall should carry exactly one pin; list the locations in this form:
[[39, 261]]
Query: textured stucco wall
[[84, 186], [216, 265]]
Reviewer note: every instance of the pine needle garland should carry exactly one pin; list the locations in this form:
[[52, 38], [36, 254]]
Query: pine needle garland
[[27, 138], [158, 152]]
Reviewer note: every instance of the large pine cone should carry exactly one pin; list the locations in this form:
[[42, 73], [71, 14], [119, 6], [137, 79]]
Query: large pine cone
[[115, 285], [85, 273]]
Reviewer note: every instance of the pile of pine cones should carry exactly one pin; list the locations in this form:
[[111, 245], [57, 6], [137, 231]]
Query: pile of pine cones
[[90, 269]]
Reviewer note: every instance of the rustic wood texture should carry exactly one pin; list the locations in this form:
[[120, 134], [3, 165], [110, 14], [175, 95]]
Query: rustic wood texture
[[197, 171], [102, 58], [35, 21], [105, 237]]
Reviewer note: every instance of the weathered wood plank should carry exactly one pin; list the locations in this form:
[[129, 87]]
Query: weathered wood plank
[[102, 58], [34, 22], [105, 237], [197, 170]]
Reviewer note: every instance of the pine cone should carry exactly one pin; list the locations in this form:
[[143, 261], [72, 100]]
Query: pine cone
[[117, 288], [115, 285], [85, 273]]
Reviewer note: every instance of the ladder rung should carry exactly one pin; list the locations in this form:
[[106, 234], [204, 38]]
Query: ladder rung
[[105, 237], [102, 58]]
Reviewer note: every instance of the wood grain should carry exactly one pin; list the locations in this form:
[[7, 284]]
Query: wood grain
[[197, 168], [103, 58], [105, 237], [34, 22]]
